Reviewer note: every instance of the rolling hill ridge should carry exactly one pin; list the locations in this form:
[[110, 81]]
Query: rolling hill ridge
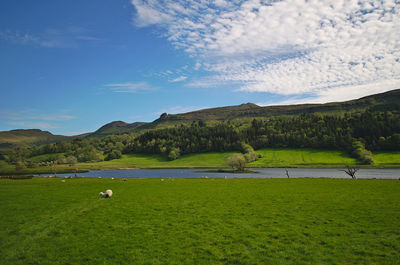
[[389, 101]]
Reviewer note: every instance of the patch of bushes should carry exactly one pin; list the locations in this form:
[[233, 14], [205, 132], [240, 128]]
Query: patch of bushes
[[114, 154], [364, 155], [174, 153]]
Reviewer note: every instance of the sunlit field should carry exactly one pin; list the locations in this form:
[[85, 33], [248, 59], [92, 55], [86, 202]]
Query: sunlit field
[[199, 221]]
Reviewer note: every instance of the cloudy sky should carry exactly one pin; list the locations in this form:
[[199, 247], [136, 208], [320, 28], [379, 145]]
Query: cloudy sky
[[71, 66]]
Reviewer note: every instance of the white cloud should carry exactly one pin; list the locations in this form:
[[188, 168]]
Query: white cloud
[[179, 109], [34, 119], [71, 37], [329, 49], [130, 87], [32, 124], [33, 114], [338, 94], [178, 79]]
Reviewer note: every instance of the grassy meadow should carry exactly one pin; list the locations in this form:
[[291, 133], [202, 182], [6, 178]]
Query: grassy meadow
[[200, 221], [387, 158], [282, 157]]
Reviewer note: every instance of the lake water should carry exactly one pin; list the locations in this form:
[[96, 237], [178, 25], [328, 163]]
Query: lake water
[[367, 173]]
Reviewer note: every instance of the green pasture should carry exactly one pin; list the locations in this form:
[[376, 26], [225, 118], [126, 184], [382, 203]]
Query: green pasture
[[200, 221], [205, 160], [282, 157], [387, 158]]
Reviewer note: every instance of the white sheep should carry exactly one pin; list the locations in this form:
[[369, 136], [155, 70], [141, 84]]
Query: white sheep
[[108, 193]]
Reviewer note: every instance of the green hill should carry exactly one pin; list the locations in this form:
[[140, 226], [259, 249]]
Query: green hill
[[384, 101], [116, 127], [245, 112], [19, 138]]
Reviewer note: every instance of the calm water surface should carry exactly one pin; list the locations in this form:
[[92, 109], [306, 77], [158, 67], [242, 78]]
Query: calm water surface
[[261, 173]]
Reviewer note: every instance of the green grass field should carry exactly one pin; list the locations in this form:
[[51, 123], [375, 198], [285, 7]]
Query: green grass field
[[200, 221], [387, 158], [302, 158], [204, 160]]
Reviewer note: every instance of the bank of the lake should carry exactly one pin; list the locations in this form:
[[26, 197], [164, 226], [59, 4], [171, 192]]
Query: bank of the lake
[[364, 173], [275, 158], [200, 221]]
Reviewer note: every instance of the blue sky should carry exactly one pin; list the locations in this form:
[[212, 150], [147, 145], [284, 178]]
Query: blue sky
[[69, 67]]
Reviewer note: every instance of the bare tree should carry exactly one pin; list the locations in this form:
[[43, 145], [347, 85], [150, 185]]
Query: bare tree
[[351, 171], [287, 173]]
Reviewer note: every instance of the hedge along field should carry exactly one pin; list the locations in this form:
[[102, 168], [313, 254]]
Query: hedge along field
[[200, 221]]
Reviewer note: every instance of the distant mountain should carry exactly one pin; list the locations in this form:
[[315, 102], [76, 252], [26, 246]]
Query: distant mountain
[[384, 101], [116, 127], [18, 138], [246, 112]]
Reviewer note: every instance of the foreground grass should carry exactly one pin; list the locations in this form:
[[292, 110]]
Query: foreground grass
[[200, 221]]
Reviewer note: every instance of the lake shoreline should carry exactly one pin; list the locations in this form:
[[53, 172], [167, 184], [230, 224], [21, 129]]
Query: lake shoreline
[[214, 169], [334, 173]]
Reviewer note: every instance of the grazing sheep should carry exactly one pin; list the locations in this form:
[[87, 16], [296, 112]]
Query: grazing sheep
[[108, 193]]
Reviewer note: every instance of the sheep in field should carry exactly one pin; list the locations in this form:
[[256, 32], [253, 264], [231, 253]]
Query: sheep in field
[[108, 193]]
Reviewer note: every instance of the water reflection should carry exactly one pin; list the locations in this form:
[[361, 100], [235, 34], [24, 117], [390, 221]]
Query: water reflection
[[260, 173]]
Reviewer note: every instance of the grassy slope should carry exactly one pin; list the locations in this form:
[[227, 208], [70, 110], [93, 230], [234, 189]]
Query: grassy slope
[[383, 101], [18, 138], [158, 161], [200, 221], [302, 157], [387, 158]]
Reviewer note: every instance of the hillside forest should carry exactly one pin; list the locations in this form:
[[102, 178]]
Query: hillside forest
[[357, 133]]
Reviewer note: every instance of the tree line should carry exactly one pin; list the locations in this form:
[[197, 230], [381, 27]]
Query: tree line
[[357, 133]]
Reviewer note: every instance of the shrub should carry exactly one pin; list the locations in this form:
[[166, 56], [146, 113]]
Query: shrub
[[114, 154], [174, 154], [251, 156], [71, 160], [361, 153], [19, 165], [237, 162], [31, 164]]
